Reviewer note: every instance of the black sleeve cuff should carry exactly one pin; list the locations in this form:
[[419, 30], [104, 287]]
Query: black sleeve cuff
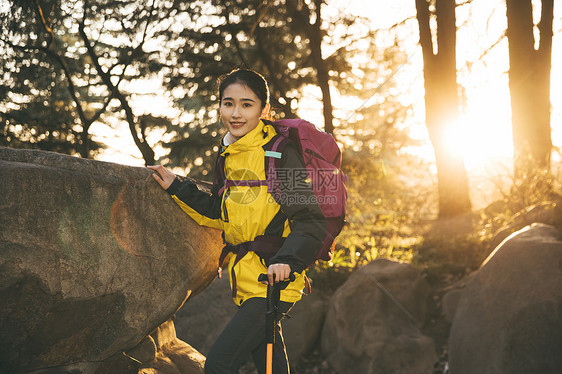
[[174, 187]]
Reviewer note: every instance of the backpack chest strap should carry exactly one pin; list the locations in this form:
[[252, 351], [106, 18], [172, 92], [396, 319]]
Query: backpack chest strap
[[272, 158]]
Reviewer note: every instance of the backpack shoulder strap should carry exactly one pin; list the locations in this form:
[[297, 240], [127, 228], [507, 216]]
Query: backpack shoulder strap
[[276, 145], [218, 173], [273, 154]]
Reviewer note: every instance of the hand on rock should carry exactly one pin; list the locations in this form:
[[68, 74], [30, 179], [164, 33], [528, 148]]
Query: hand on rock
[[164, 177]]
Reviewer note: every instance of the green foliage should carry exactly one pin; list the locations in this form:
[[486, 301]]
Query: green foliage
[[388, 219], [454, 248], [446, 250], [66, 63], [36, 109], [446, 257]]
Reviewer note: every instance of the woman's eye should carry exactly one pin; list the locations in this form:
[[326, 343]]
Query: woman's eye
[[247, 105]]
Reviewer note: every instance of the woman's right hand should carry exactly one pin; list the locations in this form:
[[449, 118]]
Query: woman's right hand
[[164, 177]]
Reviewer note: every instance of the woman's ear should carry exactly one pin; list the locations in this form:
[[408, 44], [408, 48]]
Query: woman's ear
[[265, 111]]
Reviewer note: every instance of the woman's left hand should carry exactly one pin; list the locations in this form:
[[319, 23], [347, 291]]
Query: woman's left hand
[[282, 272], [164, 177]]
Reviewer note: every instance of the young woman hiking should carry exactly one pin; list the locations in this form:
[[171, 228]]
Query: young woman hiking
[[253, 221]]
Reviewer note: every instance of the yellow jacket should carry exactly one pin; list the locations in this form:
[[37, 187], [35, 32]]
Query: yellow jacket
[[243, 213]]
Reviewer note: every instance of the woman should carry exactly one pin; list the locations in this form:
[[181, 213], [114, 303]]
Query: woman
[[251, 219]]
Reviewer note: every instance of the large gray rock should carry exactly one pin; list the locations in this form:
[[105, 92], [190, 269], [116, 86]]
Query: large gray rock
[[94, 256], [302, 331], [203, 317], [366, 331], [509, 316], [171, 356]]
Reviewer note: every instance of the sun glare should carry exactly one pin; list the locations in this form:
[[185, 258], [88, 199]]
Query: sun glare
[[480, 138], [482, 133]]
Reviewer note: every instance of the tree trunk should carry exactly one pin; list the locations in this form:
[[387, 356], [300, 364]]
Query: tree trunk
[[323, 81], [529, 85], [323, 75], [441, 104], [314, 33]]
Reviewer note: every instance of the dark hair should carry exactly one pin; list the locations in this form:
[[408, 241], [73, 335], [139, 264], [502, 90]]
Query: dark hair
[[255, 81]]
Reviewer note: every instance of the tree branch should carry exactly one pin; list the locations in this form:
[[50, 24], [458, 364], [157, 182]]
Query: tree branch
[[271, 76], [51, 51], [398, 24], [466, 2], [145, 149], [469, 64], [262, 11], [233, 33]]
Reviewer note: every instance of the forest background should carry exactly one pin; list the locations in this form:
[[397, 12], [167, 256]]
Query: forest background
[[445, 112]]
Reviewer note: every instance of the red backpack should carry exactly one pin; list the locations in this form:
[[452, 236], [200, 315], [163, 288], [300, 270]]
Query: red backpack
[[322, 160]]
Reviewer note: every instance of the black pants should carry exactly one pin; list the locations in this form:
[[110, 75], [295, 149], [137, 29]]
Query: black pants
[[245, 336]]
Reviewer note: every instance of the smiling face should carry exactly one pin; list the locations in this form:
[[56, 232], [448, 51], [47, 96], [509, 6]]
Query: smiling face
[[241, 109]]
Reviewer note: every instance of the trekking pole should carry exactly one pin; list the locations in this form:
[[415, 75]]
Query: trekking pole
[[272, 299]]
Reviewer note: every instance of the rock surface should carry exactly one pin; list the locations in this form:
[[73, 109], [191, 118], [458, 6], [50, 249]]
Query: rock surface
[[94, 256], [302, 331], [203, 317], [366, 332], [452, 296], [172, 355], [509, 316], [549, 213]]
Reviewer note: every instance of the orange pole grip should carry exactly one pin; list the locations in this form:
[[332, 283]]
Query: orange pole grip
[[269, 360]]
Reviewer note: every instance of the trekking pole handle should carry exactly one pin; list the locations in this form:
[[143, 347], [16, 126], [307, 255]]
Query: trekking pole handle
[[264, 278], [272, 298]]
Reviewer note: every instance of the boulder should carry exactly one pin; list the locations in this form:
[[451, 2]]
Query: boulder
[[94, 256], [302, 330], [372, 323], [549, 213], [202, 318], [452, 296], [172, 356], [158, 353], [509, 316]]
